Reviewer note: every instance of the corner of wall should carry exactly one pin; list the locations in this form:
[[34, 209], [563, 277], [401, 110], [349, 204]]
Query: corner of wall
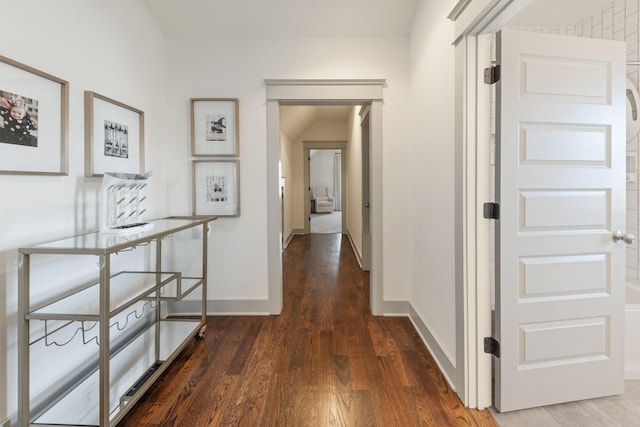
[[396, 308]]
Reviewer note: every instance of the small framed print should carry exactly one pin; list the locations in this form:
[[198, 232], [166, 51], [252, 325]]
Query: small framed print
[[216, 187], [34, 121], [214, 127], [114, 136]]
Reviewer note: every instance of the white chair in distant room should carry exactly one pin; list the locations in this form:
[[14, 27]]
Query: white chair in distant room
[[323, 202]]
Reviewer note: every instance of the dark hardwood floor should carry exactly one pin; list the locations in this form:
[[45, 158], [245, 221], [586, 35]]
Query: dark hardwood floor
[[325, 361]]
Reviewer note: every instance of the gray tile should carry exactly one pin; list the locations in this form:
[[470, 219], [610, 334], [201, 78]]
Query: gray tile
[[534, 417], [613, 411], [625, 412], [581, 414]]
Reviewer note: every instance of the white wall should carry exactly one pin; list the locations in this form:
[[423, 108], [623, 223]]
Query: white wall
[[238, 69], [431, 135], [115, 49]]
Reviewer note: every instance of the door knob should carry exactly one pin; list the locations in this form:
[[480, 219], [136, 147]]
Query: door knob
[[628, 238]]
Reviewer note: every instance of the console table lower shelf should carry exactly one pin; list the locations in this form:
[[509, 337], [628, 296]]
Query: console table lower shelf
[[135, 355]]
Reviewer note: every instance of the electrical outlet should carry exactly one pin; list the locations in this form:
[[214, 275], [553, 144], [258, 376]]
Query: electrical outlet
[[89, 397]]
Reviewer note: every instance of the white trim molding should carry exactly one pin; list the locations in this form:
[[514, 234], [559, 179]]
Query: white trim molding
[[223, 307], [458, 9], [355, 248], [333, 91]]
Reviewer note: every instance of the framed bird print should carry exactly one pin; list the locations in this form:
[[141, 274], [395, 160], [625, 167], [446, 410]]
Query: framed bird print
[[214, 127]]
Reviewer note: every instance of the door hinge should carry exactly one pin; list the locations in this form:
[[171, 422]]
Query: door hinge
[[492, 74], [491, 211], [491, 346]]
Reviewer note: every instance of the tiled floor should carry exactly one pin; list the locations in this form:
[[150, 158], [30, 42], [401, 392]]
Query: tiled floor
[[614, 411]]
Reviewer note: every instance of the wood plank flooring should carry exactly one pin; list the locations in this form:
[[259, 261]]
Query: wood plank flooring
[[325, 361]]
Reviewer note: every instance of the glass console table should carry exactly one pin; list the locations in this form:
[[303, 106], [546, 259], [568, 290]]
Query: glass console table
[[88, 352]]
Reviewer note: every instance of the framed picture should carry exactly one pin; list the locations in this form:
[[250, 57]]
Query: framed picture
[[114, 136], [214, 127], [34, 121], [216, 187]]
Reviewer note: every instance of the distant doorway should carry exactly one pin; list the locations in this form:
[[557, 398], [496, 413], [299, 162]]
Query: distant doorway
[[325, 169]]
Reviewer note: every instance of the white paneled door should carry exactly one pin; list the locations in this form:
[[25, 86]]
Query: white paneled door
[[560, 166]]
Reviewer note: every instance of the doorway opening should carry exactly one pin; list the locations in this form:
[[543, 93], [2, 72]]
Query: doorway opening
[[282, 93], [325, 190], [323, 171]]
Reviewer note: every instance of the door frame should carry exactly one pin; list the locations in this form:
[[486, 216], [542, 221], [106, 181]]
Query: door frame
[[474, 21], [306, 153], [366, 191], [322, 92], [473, 232]]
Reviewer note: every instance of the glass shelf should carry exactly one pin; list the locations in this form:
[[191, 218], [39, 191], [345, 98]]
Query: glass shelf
[[126, 288], [105, 243]]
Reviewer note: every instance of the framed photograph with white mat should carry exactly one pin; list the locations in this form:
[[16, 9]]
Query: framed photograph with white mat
[[216, 187], [214, 127], [114, 136], [34, 121]]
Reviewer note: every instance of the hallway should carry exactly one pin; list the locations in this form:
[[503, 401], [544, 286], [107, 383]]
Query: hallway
[[325, 361]]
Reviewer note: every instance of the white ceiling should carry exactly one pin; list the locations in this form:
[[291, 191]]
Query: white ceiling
[[283, 18], [329, 18]]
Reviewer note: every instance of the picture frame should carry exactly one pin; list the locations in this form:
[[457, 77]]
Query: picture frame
[[215, 127], [34, 121], [114, 136], [216, 187]]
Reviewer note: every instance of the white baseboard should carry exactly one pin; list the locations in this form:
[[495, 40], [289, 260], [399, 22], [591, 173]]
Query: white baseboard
[[355, 248], [287, 240], [294, 232], [223, 307], [632, 374], [405, 309], [261, 307], [447, 368], [396, 308], [7, 421]]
